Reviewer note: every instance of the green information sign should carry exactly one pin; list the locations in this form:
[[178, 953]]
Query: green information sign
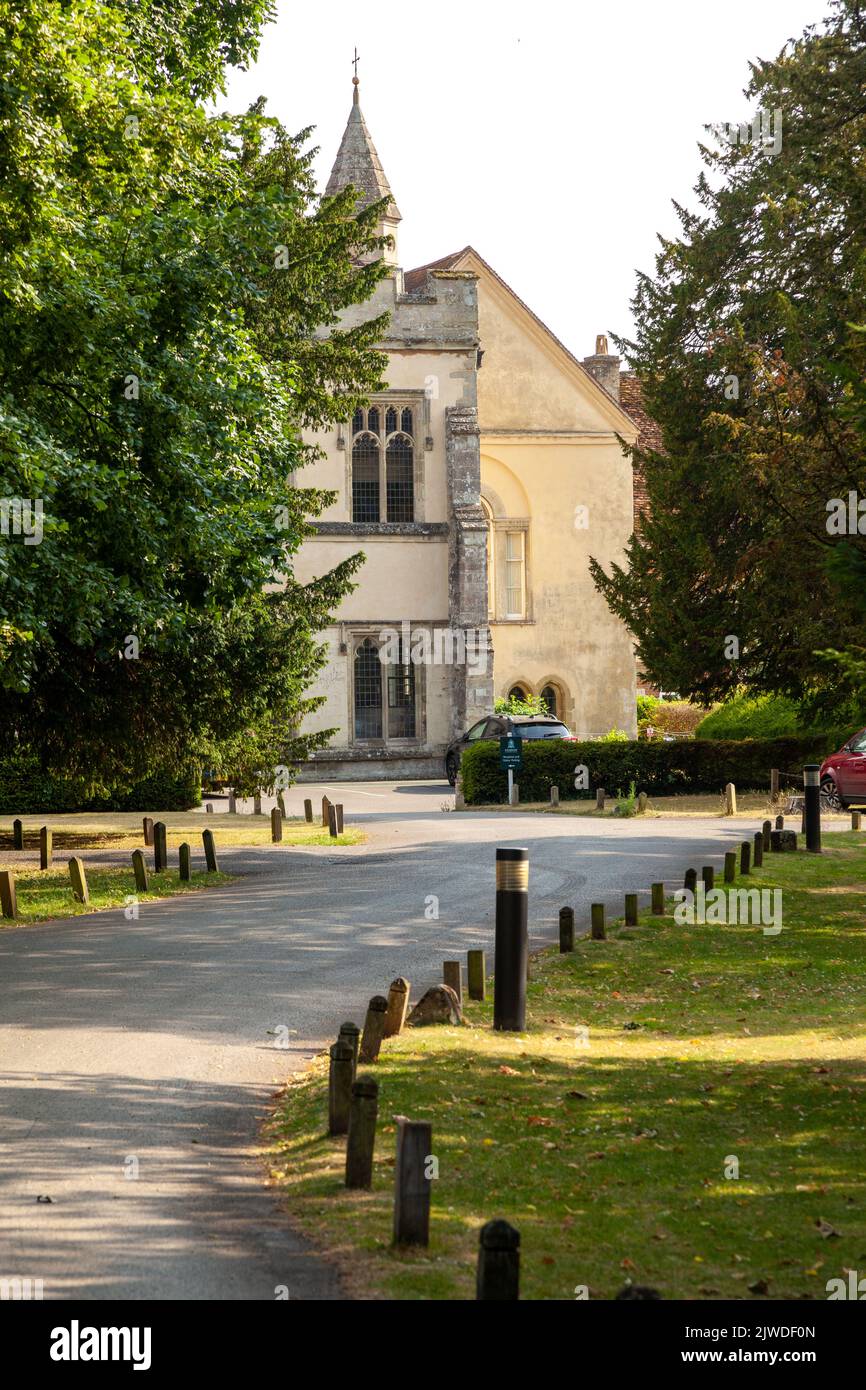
[[511, 753]]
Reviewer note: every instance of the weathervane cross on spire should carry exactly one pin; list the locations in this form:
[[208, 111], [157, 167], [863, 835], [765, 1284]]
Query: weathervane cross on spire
[[355, 62]]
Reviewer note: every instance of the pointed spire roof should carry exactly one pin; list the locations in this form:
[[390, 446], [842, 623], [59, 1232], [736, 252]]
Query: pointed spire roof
[[357, 163]]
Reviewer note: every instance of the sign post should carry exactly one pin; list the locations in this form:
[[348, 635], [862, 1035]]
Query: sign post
[[511, 759]]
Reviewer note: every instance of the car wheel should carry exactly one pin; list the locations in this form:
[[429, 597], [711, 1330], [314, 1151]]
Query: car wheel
[[830, 795], [451, 769]]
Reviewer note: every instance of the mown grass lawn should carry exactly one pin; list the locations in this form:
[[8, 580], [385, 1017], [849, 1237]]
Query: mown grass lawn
[[123, 830], [607, 1144], [46, 895]]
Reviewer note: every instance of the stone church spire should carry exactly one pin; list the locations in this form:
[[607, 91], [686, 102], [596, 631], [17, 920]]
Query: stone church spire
[[358, 164]]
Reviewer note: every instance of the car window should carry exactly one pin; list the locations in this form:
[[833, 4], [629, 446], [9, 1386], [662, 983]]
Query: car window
[[541, 730], [494, 728], [477, 730], [858, 744]]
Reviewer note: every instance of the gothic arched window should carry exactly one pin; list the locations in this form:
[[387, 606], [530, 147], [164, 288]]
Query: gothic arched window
[[368, 691], [400, 479], [550, 696], [365, 478]]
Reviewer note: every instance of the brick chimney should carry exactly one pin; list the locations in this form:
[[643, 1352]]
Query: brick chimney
[[604, 366]]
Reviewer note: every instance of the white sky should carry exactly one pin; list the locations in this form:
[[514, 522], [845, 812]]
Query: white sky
[[550, 136]]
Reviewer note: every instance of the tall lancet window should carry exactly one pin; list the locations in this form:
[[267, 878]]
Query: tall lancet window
[[365, 478], [383, 464], [368, 691], [399, 478]]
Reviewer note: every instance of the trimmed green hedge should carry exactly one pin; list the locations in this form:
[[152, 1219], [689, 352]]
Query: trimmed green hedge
[[26, 790], [656, 768]]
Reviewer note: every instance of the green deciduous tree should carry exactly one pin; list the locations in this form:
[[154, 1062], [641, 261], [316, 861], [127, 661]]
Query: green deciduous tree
[[745, 347]]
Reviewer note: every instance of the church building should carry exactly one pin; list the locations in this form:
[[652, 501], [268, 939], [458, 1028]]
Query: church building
[[477, 484]]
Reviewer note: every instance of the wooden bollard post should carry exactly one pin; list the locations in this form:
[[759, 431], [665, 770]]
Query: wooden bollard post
[[730, 799], [160, 850], [708, 874], [8, 895], [257, 803], [746, 857], [398, 1006], [774, 785], [855, 820], [452, 975], [597, 931], [209, 808], [17, 834], [554, 796], [374, 1029], [498, 1275], [775, 841], [765, 832], [363, 1111], [339, 810], [147, 827], [332, 821], [412, 1182], [631, 909], [758, 846], [566, 929], [658, 899], [209, 851], [78, 878], [690, 882], [308, 811], [351, 1033], [276, 825], [46, 847], [600, 795], [780, 822], [476, 972], [326, 806], [139, 869], [642, 803], [233, 802], [730, 865], [341, 1074], [185, 855]]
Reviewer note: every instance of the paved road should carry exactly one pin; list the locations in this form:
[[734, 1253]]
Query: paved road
[[151, 1043]]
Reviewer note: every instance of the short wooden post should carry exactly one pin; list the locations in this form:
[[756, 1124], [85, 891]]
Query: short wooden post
[[209, 808], [362, 1132], [746, 857], [452, 975], [351, 1033], [341, 1074], [185, 863], [631, 909], [339, 809], [690, 882], [276, 825], [459, 798], [78, 877], [233, 803], [332, 821], [209, 851], [774, 785], [139, 869], [257, 803], [326, 806], [8, 895], [658, 899], [775, 841], [855, 820], [398, 1007], [642, 803], [147, 827], [708, 874], [476, 972], [780, 822], [308, 811], [597, 929], [554, 796], [730, 865], [498, 1277], [160, 851], [765, 832], [46, 847], [374, 1029], [758, 846], [566, 929], [730, 799], [600, 795], [17, 834], [412, 1181]]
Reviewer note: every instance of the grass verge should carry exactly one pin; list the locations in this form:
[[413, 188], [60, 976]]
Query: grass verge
[[651, 1061], [44, 896], [123, 830], [750, 805]]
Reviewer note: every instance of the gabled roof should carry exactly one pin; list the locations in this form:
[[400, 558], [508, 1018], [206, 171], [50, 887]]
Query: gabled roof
[[358, 164]]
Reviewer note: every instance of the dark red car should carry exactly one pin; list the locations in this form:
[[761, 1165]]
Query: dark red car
[[843, 774]]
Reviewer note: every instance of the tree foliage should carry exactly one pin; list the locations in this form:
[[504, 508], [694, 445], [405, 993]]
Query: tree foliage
[[749, 362]]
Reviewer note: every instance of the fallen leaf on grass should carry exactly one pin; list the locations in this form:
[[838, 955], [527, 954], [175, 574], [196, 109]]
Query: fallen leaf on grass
[[508, 1071], [577, 1095], [761, 1286], [539, 1120], [825, 1229]]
